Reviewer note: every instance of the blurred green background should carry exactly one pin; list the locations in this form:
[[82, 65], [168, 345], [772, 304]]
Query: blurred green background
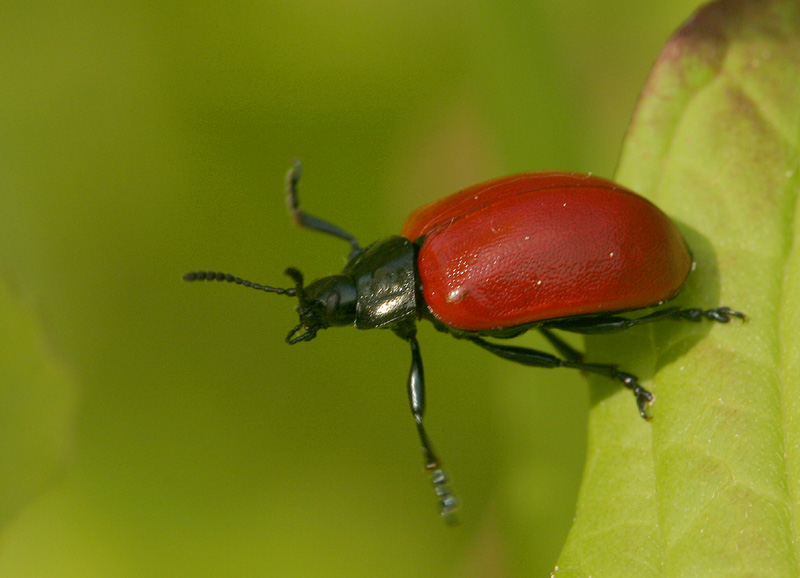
[[149, 427]]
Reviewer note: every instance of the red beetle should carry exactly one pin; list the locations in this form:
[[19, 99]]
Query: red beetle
[[532, 251]]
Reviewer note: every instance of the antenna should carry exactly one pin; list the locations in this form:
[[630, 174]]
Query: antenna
[[215, 276]]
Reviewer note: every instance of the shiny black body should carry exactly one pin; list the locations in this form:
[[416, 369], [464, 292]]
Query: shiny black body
[[386, 283]]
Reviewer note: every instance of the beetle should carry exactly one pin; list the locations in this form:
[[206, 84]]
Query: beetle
[[546, 251]]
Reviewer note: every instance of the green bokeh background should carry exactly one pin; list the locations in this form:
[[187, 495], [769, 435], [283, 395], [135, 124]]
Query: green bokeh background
[[154, 428]]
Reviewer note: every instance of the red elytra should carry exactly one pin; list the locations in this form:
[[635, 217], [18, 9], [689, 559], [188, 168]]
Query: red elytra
[[535, 246]]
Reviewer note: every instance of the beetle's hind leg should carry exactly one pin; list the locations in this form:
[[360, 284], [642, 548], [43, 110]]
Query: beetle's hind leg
[[534, 358], [614, 323]]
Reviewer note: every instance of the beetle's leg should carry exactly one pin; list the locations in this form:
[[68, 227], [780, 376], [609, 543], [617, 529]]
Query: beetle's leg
[[534, 358], [448, 502], [309, 221], [614, 323], [564, 348]]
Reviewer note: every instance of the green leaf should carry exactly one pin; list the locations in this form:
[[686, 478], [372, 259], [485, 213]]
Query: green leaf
[[709, 487]]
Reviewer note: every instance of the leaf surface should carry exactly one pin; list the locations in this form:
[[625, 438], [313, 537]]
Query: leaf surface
[[709, 487]]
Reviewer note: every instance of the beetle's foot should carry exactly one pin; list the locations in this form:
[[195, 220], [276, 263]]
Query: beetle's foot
[[720, 314], [448, 501], [724, 314], [643, 397]]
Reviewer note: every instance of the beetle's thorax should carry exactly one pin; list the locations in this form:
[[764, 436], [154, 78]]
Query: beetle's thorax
[[385, 278], [376, 289]]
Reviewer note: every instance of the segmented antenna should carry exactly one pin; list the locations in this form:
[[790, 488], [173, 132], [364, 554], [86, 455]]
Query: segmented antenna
[[215, 276]]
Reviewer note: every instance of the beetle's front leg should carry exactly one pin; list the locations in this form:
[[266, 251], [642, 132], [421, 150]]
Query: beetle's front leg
[[303, 219], [448, 502]]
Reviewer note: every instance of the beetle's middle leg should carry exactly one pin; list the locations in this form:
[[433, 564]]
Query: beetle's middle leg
[[534, 358]]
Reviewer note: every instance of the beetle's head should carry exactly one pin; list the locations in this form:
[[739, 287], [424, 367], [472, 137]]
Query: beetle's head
[[328, 301]]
